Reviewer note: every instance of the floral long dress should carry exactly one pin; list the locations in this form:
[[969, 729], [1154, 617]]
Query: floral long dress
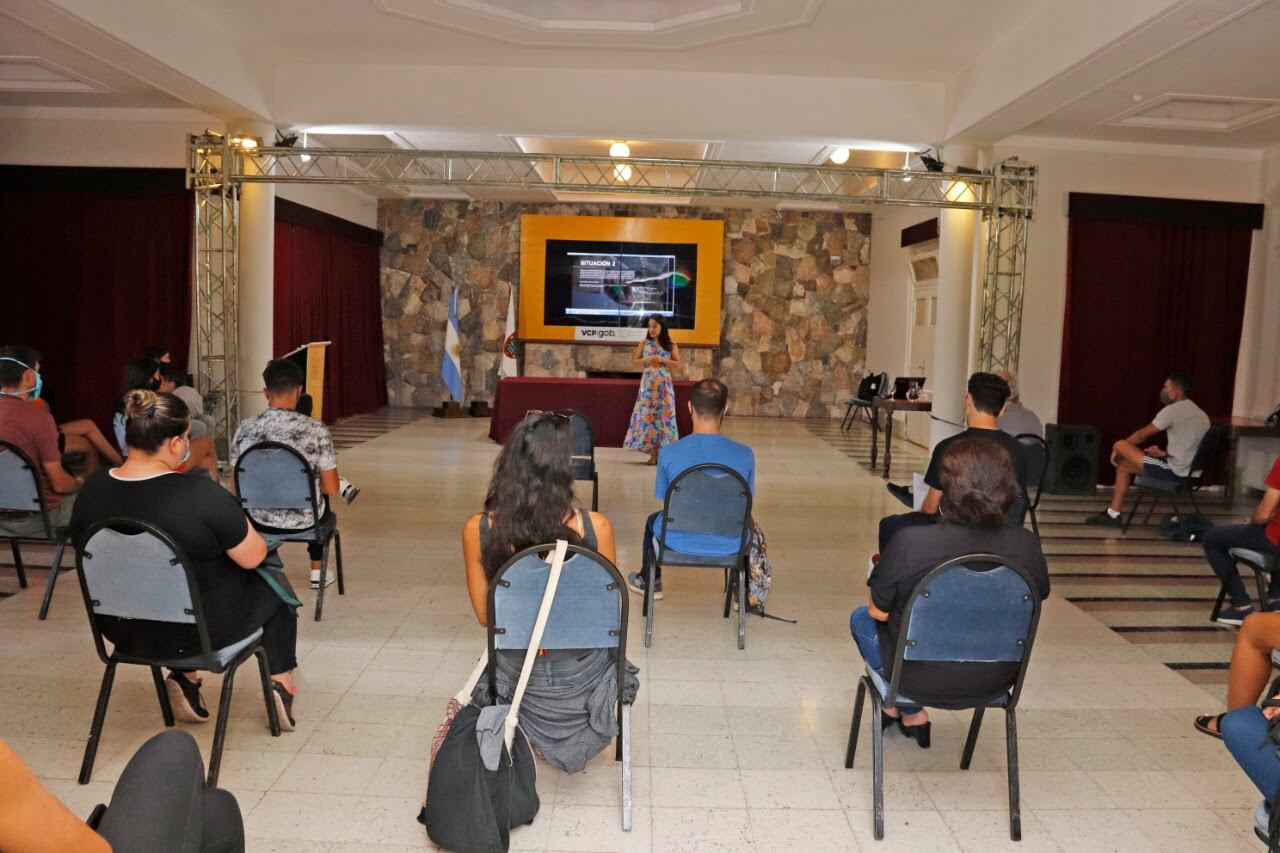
[[653, 420]]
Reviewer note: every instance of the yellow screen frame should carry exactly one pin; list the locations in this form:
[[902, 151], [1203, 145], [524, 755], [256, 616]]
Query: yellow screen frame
[[536, 229]]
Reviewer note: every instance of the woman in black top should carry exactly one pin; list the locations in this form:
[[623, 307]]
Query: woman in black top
[[208, 524], [568, 707], [978, 487]]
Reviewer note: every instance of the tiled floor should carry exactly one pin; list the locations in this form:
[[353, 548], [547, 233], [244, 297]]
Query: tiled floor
[[735, 750]]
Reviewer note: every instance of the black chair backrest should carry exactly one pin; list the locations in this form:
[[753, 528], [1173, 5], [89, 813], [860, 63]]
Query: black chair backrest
[[584, 439], [20, 484], [708, 498], [271, 475], [1035, 451], [958, 614], [1207, 453], [132, 569]]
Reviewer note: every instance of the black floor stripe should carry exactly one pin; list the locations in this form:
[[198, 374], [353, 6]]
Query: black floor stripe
[[1213, 665], [1090, 599], [1138, 575], [1165, 629]]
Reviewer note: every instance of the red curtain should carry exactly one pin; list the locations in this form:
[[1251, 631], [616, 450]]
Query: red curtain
[[97, 265], [327, 289], [1146, 296]]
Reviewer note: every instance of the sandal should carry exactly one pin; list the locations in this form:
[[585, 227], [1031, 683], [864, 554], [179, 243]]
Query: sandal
[[1204, 720]]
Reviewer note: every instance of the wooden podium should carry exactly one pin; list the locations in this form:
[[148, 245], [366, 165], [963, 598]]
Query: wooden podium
[[310, 357]]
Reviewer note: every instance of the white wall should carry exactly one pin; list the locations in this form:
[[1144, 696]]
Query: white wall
[[1094, 168], [889, 322]]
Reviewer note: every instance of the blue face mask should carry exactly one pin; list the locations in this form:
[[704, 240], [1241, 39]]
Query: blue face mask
[[186, 455], [32, 393]]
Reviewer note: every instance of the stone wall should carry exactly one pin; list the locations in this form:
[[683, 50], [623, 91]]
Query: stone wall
[[796, 287]]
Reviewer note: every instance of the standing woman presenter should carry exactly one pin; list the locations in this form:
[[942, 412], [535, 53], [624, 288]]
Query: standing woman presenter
[[653, 420]]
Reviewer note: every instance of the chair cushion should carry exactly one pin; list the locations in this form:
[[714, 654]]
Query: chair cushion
[[1275, 657], [862, 404], [1169, 487], [310, 534], [1255, 560], [882, 687], [222, 656], [671, 557]]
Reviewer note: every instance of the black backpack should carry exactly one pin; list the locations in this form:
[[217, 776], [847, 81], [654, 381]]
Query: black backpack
[[1185, 528]]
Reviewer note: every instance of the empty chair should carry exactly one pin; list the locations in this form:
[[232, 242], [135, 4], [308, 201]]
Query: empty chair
[[1036, 452], [1206, 457], [871, 386], [583, 459], [271, 475], [589, 611], [964, 618], [713, 500], [133, 570], [20, 493]]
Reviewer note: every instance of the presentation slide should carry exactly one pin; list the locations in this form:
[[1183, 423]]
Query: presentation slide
[[599, 283]]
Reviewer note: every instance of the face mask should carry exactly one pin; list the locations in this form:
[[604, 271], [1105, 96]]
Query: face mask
[[1165, 399], [187, 455], [32, 393]]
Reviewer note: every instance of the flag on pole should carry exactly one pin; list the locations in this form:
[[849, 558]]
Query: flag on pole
[[451, 363], [509, 365]]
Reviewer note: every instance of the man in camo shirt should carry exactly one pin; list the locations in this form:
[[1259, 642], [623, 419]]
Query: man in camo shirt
[[282, 423]]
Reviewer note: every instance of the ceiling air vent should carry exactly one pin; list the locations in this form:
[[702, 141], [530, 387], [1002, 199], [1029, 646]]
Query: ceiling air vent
[[1197, 112]]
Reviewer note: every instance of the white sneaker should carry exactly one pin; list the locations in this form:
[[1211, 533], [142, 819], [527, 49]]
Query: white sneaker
[[347, 490], [315, 579]]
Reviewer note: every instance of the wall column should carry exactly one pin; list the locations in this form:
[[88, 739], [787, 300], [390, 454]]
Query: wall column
[[257, 292]]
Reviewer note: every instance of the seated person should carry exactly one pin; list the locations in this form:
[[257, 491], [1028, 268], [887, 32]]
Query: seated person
[[1260, 534], [708, 404], [1183, 422], [983, 406], [311, 438], [32, 430], [978, 487], [207, 522], [159, 803], [568, 709], [144, 374], [1017, 419], [175, 382]]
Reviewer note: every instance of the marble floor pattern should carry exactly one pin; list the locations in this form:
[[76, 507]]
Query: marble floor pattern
[[734, 750]]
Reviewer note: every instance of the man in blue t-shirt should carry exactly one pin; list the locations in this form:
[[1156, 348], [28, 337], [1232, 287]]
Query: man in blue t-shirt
[[708, 404]]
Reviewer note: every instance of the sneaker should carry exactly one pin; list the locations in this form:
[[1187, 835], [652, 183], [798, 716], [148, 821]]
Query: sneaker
[[347, 490], [328, 579], [1105, 519], [635, 583], [902, 493], [1234, 615], [284, 706], [1272, 605], [184, 698]]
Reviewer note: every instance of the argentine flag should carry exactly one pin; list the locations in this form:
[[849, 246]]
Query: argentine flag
[[451, 364]]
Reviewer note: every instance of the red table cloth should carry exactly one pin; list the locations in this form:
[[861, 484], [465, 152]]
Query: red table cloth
[[607, 403]]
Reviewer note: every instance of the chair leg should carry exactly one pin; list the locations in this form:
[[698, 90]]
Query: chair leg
[[1155, 504], [617, 742], [264, 671], [324, 574], [17, 562], [337, 561], [1194, 503], [1137, 502], [648, 608], [854, 728], [1217, 605], [595, 491], [53, 577], [728, 592], [1015, 809], [742, 606], [972, 740], [1262, 587], [877, 767], [220, 727], [1035, 524], [847, 420], [95, 728], [625, 743], [166, 709]]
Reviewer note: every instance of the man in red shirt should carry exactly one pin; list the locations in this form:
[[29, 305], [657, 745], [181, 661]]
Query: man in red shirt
[[31, 429], [1261, 534]]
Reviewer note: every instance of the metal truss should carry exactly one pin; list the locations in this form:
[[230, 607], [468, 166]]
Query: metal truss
[[217, 287], [1013, 195]]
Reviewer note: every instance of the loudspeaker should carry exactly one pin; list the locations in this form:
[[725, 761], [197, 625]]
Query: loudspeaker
[[1073, 459]]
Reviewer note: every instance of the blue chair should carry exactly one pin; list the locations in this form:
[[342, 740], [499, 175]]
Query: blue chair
[[20, 492], [1204, 460], [869, 388], [1036, 451], [271, 475], [134, 570], [1260, 564], [958, 615], [584, 452], [590, 611], [712, 499]]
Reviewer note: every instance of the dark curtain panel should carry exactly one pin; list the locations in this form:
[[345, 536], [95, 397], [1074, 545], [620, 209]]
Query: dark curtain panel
[[327, 289], [1146, 296], [97, 264]]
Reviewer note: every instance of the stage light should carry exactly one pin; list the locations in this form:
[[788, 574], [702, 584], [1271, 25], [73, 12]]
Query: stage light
[[840, 156], [306, 158], [619, 149], [906, 167], [622, 172], [246, 142]]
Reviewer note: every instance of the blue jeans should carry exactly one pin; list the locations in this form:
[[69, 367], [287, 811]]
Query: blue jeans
[[863, 628], [1244, 731], [1219, 540]]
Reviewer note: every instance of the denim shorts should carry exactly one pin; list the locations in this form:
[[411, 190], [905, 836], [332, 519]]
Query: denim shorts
[[1158, 469]]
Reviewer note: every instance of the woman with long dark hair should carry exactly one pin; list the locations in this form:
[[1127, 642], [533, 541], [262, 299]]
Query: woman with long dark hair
[[978, 487], [567, 709], [143, 374], [653, 420]]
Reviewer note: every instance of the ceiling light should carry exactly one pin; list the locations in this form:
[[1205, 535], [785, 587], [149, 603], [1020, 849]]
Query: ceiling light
[[306, 158], [619, 149], [622, 172], [840, 156]]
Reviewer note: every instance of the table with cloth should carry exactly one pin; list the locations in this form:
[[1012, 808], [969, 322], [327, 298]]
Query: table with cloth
[[607, 403]]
